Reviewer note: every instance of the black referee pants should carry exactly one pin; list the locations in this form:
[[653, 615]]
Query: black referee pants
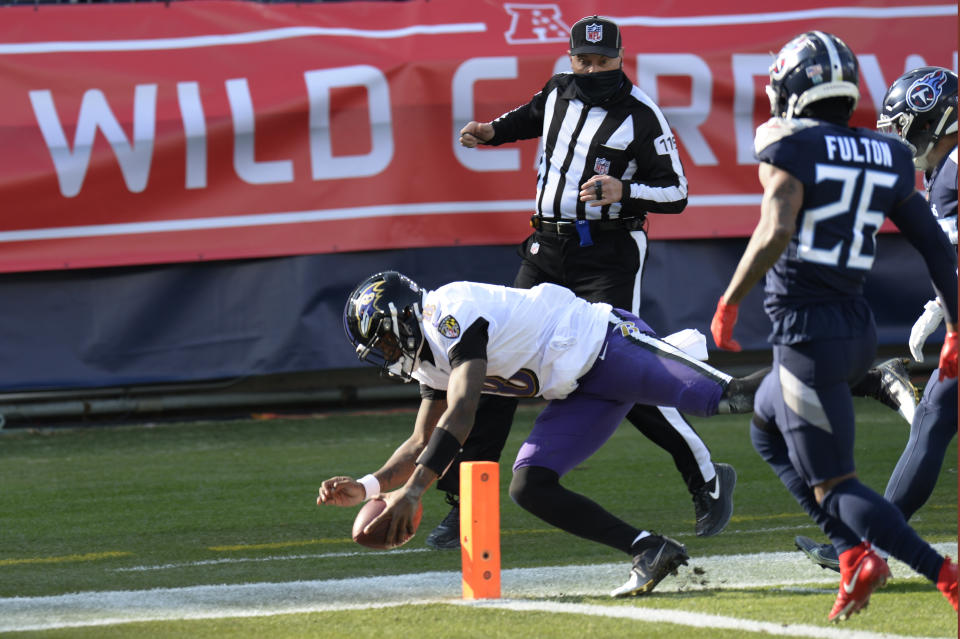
[[608, 271]]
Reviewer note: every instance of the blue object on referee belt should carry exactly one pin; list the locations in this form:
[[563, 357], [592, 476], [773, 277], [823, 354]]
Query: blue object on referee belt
[[583, 230]]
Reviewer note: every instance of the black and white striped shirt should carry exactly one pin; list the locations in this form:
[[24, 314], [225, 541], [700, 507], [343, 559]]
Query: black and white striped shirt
[[627, 138]]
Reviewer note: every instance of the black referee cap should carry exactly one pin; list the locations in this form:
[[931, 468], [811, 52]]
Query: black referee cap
[[594, 34]]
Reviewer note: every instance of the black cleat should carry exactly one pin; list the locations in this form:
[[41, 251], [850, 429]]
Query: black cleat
[[738, 396], [660, 557], [446, 536], [713, 502], [824, 555]]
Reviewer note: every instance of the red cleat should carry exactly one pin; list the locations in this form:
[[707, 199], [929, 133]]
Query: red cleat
[[861, 572], [947, 581]]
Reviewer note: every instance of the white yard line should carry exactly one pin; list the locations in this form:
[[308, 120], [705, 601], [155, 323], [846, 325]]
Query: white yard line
[[789, 569]]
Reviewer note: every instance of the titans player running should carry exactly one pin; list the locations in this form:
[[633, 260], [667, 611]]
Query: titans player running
[[827, 191], [591, 361], [921, 107]]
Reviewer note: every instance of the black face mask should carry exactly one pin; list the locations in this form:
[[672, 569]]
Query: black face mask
[[597, 88]]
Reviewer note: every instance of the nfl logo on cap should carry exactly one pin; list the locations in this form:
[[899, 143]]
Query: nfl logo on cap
[[594, 32]]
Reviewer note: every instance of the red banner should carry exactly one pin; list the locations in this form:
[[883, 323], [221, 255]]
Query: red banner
[[147, 133]]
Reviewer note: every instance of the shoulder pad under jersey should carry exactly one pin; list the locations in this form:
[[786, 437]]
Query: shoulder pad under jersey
[[775, 129]]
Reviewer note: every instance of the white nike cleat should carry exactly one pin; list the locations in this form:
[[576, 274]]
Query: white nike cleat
[[713, 502]]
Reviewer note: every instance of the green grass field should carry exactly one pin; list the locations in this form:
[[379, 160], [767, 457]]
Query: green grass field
[[173, 506]]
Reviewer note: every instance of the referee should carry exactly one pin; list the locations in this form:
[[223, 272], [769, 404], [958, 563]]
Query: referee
[[608, 158]]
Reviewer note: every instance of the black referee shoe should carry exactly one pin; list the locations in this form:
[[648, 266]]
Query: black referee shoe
[[446, 536], [713, 502]]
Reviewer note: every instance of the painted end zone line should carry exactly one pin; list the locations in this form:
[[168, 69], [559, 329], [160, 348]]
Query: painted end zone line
[[101, 608], [682, 618]]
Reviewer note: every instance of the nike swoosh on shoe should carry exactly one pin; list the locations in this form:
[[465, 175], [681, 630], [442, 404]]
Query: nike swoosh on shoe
[[852, 584], [715, 493]]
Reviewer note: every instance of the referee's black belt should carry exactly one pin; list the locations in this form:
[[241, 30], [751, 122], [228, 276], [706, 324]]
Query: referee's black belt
[[569, 227]]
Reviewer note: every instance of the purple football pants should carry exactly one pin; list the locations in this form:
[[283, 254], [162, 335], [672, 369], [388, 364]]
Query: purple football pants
[[633, 367]]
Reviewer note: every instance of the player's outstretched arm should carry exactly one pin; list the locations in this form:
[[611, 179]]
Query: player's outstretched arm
[[453, 427], [346, 491]]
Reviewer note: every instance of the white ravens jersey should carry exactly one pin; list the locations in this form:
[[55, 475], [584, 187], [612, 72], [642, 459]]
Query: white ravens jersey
[[540, 340]]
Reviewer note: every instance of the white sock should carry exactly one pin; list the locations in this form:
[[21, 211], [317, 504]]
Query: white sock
[[643, 533]]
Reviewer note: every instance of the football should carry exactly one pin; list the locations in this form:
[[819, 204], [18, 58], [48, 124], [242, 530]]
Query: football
[[374, 538]]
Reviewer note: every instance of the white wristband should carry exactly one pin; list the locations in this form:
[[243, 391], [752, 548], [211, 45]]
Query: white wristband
[[370, 484]]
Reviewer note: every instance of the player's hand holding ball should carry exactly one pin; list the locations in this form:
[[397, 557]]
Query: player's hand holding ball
[[387, 521]]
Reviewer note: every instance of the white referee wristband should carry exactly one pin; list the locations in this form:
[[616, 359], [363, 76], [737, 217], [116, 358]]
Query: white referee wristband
[[370, 484]]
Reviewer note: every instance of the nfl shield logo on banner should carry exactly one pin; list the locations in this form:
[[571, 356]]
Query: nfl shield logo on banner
[[594, 32], [601, 166]]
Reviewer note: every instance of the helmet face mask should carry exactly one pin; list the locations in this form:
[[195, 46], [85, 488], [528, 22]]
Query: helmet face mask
[[813, 66], [921, 107], [382, 320]]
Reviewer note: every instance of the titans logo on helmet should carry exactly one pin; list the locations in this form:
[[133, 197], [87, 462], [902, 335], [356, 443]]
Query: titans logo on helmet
[[788, 56], [924, 93]]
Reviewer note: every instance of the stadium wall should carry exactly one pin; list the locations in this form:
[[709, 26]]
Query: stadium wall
[[236, 319]]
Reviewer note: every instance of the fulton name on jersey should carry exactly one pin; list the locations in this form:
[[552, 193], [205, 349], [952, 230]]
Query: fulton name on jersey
[[859, 150]]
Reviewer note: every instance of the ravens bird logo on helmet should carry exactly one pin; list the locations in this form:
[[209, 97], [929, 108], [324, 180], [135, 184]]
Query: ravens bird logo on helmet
[[382, 320]]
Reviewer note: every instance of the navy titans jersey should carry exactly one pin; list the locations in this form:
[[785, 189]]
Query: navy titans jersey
[[852, 179], [942, 190]]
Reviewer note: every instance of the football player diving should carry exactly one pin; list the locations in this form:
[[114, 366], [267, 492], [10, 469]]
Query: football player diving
[[593, 363]]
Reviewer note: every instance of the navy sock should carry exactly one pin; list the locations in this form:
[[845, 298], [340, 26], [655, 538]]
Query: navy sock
[[881, 523]]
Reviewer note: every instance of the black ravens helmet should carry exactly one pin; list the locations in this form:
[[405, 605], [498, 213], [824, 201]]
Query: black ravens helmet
[[921, 107], [814, 66], [382, 320]]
